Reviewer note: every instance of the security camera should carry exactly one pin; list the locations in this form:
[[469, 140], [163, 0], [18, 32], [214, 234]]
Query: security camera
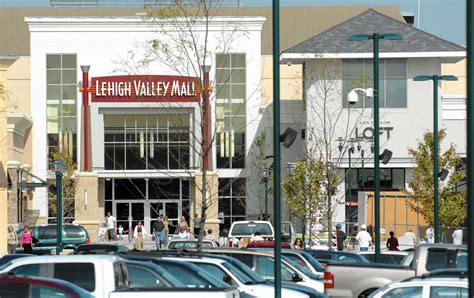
[[352, 97]]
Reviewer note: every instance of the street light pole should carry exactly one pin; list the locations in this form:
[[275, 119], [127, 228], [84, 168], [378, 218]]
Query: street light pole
[[276, 145], [59, 169], [435, 79], [376, 37]]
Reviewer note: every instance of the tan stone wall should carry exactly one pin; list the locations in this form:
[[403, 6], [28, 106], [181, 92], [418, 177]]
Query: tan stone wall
[[455, 87], [89, 210], [291, 83], [212, 222]]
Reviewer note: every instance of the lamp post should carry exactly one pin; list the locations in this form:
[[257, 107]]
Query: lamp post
[[376, 37], [59, 167], [276, 144], [435, 79]]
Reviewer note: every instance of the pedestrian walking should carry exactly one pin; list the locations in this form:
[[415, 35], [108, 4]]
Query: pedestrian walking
[[429, 235], [210, 236], [197, 225], [27, 241], [139, 234], [120, 233], [12, 240], [183, 234], [111, 226], [392, 242], [102, 232], [340, 237], [411, 237], [166, 231], [457, 237], [363, 238], [158, 232], [183, 224]]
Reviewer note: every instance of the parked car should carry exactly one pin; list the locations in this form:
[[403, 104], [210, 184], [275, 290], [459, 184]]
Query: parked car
[[267, 244], [191, 243], [263, 263], [304, 259], [324, 256], [222, 269], [355, 279], [100, 249], [436, 286], [72, 236], [13, 286], [99, 275], [312, 293], [149, 275], [247, 229], [386, 257], [189, 274]]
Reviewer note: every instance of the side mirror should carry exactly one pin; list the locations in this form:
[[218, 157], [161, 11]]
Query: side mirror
[[227, 279], [296, 277]]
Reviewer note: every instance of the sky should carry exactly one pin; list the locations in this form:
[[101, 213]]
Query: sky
[[444, 18]]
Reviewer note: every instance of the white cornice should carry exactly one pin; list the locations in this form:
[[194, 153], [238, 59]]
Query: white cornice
[[136, 24], [286, 57], [18, 123]]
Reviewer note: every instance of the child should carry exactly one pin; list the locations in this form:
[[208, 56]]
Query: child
[[102, 231], [120, 232]]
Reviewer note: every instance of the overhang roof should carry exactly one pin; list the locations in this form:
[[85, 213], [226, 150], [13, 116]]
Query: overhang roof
[[334, 42]]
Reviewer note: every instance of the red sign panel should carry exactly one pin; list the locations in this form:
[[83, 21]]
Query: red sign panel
[[145, 88]]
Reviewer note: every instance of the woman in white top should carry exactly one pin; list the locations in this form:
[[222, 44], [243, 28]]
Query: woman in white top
[[139, 234]]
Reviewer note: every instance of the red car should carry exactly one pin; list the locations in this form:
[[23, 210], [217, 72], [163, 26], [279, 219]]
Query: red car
[[267, 244]]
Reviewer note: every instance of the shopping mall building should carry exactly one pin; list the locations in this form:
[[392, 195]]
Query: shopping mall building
[[142, 98]]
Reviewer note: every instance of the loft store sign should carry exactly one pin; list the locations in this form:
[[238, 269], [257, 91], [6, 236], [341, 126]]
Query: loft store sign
[[367, 133], [145, 88]]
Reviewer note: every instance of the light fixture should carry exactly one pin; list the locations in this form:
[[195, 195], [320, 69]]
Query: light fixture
[[443, 174], [288, 137], [385, 156]]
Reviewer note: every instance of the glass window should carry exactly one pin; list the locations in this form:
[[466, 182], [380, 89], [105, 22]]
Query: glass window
[[141, 277], [230, 110], [436, 259], [30, 269], [42, 291], [74, 232], [232, 200], [81, 274], [448, 292], [212, 269], [14, 290], [358, 73], [61, 94], [413, 292], [47, 232]]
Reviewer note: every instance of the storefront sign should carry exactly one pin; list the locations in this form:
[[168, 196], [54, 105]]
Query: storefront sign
[[367, 132], [145, 88]]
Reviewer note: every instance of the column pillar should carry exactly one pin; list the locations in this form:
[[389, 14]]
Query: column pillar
[[89, 211]]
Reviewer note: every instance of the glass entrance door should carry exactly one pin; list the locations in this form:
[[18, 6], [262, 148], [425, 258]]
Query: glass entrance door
[[128, 214], [168, 208]]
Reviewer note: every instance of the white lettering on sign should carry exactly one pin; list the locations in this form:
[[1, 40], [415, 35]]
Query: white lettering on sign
[[145, 88]]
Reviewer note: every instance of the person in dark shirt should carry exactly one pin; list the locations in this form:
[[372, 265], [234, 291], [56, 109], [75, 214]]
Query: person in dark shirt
[[340, 237], [392, 242], [158, 232]]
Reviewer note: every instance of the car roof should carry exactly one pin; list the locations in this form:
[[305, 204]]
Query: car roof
[[66, 259], [391, 252], [190, 240], [251, 221], [454, 281], [239, 251], [196, 258]]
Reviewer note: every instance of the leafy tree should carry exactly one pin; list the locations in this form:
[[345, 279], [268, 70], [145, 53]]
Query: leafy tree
[[304, 188], [69, 184], [452, 203]]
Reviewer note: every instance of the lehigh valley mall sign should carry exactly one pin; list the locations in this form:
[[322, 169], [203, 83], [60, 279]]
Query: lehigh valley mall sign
[[145, 88]]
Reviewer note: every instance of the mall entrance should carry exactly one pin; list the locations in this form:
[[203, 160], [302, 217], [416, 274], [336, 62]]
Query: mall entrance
[[132, 200]]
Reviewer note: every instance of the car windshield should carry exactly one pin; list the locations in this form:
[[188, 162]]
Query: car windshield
[[248, 271], [188, 244], [193, 276], [248, 229], [314, 263], [5, 265], [303, 269], [242, 277]]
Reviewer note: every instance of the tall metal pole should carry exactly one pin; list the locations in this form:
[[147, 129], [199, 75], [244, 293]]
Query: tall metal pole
[[276, 144], [85, 111], [362, 169], [435, 158], [350, 178], [59, 205], [266, 193], [470, 143], [376, 145]]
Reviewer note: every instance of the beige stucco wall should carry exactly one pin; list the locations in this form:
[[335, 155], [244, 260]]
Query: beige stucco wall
[[89, 209], [458, 87], [212, 182], [291, 83]]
